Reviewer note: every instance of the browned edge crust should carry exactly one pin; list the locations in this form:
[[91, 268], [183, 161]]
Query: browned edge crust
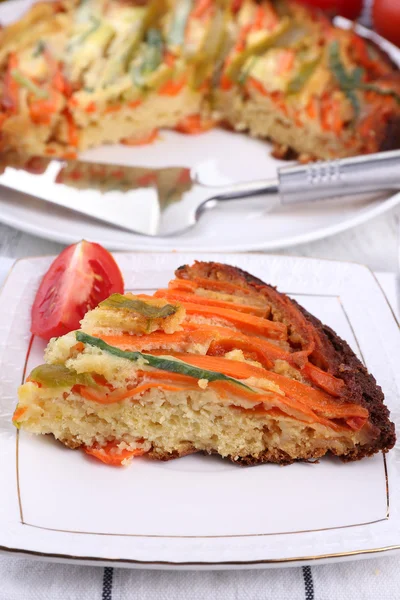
[[361, 385]]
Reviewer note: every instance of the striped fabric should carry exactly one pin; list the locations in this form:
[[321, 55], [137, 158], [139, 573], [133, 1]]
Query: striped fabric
[[376, 579]]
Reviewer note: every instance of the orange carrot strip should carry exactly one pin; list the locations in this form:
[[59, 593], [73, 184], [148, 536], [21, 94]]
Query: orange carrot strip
[[331, 115], [102, 381], [287, 405], [113, 108], [326, 109], [219, 333], [285, 62], [356, 423], [249, 323], [148, 138], [169, 59], [300, 390], [259, 18], [69, 155], [312, 108], [225, 83], [265, 18], [91, 107], [201, 9], [249, 343], [326, 381], [115, 459], [221, 347], [359, 46], [337, 122], [316, 399], [19, 412], [134, 103], [161, 375], [232, 368], [209, 284], [78, 347], [242, 38], [194, 298], [156, 339], [113, 397], [40, 110], [183, 284], [375, 68], [277, 98], [311, 397], [73, 138], [194, 124], [172, 87], [222, 340], [58, 81], [257, 85]]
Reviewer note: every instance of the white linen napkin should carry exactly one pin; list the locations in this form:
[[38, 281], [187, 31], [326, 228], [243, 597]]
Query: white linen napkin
[[372, 579]]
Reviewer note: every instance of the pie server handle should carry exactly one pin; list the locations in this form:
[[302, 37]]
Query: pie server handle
[[327, 179]]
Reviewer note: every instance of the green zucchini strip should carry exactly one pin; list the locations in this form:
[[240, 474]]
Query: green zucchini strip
[[351, 82], [118, 301], [28, 84], [165, 364], [57, 376]]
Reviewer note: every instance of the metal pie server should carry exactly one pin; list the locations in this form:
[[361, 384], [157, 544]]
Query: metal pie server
[[166, 202]]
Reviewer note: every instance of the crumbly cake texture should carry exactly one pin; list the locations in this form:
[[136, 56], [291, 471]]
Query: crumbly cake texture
[[219, 363], [75, 74]]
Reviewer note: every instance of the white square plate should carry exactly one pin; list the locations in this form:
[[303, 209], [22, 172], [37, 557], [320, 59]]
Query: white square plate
[[200, 511]]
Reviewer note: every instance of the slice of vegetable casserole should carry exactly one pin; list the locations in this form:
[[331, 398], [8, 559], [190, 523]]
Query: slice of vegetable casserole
[[218, 362]]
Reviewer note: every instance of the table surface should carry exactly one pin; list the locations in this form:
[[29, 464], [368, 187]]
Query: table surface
[[374, 244]]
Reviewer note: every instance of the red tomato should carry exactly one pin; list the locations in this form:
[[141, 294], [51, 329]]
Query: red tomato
[[83, 275], [386, 19], [350, 9]]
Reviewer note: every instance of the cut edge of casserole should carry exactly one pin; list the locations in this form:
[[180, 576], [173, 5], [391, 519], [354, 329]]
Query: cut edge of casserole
[[74, 75]]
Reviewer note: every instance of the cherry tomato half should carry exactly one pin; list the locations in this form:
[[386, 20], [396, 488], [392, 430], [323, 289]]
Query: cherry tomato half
[[351, 9], [386, 19], [83, 275]]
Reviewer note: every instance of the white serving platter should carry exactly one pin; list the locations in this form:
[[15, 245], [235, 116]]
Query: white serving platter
[[218, 157]]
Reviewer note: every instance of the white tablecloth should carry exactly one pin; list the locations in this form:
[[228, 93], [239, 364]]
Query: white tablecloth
[[372, 579]]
